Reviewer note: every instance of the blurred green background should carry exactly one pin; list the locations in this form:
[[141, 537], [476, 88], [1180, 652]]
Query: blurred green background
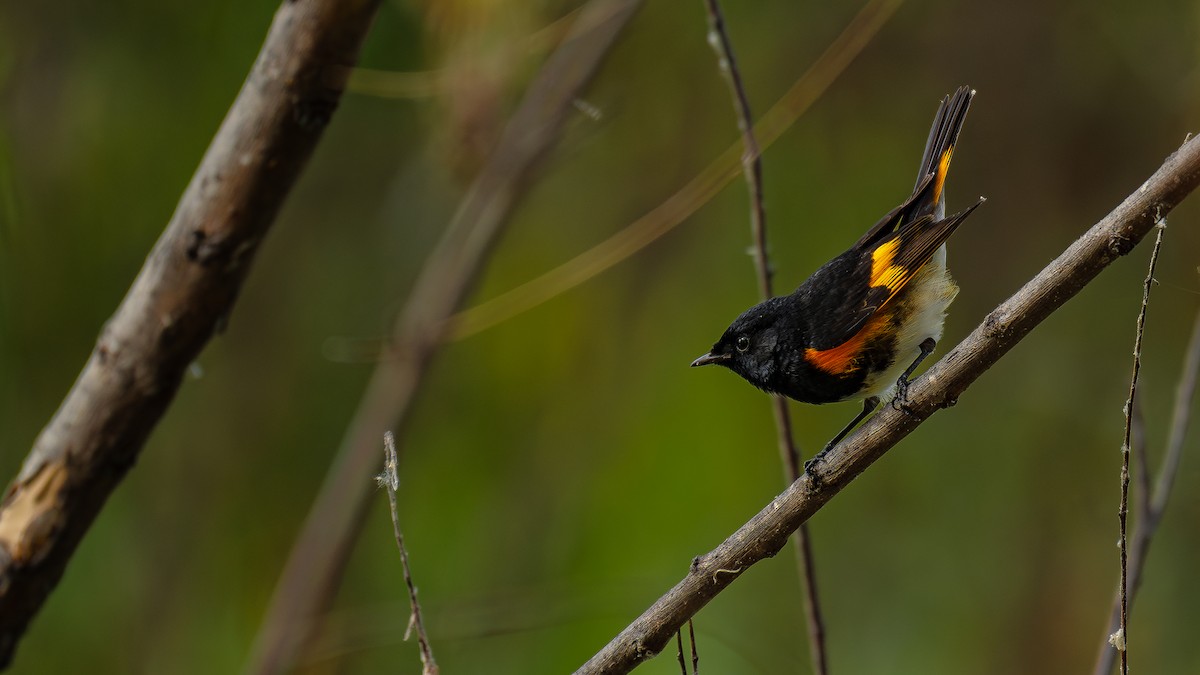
[[564, 467]]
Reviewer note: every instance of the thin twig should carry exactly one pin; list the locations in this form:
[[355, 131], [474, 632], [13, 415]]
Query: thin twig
[[183, 294], [321, 550], [679, 651], [718, 38], [695, 654], [688, 199], [1147, 526], [390, 480], [941, 386], [1120, 639]]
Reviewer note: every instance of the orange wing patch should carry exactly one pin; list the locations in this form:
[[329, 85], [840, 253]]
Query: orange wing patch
[[843, 358]]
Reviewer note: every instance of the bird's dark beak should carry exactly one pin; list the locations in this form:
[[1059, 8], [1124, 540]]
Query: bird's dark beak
[[710, 358]]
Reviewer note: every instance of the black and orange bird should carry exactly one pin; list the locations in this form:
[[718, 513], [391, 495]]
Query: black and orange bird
[[863, 322]]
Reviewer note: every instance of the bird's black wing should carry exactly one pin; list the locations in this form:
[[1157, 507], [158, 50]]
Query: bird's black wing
[[844, 294]]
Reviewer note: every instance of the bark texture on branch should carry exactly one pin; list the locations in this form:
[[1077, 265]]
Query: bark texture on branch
[[180, 298], [765, 534]]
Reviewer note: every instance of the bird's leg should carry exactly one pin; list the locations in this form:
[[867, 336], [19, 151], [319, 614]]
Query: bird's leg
[[869, 405], [927, 346]]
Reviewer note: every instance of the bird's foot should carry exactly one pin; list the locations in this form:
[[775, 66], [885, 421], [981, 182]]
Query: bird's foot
[[900, 400], [810, 466], [815, 459]]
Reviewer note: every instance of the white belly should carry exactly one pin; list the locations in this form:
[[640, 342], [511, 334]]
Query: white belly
[[930, 293]]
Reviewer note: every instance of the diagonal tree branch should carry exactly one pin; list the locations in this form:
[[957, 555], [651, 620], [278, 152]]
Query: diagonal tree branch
[[767, 532], [314, 568], [179, 299]]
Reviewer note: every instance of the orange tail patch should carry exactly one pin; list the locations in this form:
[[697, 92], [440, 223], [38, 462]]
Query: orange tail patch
[[940, 178]]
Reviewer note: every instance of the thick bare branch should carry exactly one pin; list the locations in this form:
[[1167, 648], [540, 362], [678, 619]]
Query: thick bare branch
[[765, 534], [182, 295], [315, 565]]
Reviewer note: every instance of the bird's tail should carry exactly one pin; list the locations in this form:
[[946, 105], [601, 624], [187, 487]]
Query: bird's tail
[[943, 136]]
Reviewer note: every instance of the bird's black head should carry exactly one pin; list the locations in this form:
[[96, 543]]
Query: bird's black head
[[751, 345]]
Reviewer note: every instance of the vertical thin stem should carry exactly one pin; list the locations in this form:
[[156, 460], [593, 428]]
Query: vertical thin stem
[[695, 655], [718, 38], [390, 480], [1156, 502], [1121, 639]]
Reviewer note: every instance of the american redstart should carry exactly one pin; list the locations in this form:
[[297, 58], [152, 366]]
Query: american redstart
[[863, 322]]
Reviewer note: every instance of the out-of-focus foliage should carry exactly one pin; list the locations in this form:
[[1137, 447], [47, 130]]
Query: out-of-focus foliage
[[565, 466]]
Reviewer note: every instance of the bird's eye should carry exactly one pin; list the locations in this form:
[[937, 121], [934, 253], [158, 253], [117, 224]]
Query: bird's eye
[[743, 343]]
